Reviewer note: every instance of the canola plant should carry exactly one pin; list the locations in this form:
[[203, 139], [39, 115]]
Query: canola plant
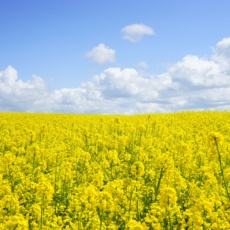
[[156, 171]]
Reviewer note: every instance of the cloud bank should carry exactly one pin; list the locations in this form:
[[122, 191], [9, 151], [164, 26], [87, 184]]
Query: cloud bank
[[101, 54], [194, 83], [143, 64], [135, 32]]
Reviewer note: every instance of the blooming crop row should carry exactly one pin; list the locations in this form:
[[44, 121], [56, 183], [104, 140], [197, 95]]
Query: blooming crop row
[[166, 171]]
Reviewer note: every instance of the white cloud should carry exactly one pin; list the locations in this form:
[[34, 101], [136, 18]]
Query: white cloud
[[222, 53], [18, 95], [193, 71], [143, 65], [125, 83], [101, 54], [193, 83], [135, 32]]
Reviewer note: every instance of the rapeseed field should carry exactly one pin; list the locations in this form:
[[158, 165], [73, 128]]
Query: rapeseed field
[[156, 171]]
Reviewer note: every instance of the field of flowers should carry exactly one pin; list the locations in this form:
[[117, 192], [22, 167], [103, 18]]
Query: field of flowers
[[164, 171]]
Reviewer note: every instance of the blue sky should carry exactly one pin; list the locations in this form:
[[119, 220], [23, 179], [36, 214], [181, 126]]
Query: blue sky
[[110, 56]]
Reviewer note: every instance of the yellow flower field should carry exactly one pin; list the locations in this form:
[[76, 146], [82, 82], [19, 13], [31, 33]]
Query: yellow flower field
[[158, 171]]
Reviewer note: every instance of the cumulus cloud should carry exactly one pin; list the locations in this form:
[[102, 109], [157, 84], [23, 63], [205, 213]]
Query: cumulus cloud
[[135, 32], [194, 83], [194, 72], [143, 65], [101, 54], [18, 95], [126, 83], [222, 54]]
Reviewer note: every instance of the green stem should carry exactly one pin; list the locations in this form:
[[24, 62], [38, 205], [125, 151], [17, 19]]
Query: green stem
[[79, 222], [140, 139], [137, 205], [158, 184], [55, 188], [10, 177], [221, 168], [138, 213], [101, 219], [42, 211], [130, 201]]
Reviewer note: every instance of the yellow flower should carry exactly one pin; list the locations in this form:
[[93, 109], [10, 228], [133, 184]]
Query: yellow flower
[[215, 138], [135, 225], [151, 174], [137, 169], [168, 197], [114, 172], [141, 128]]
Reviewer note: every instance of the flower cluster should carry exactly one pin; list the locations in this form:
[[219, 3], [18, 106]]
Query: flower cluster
[[140, 172]]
